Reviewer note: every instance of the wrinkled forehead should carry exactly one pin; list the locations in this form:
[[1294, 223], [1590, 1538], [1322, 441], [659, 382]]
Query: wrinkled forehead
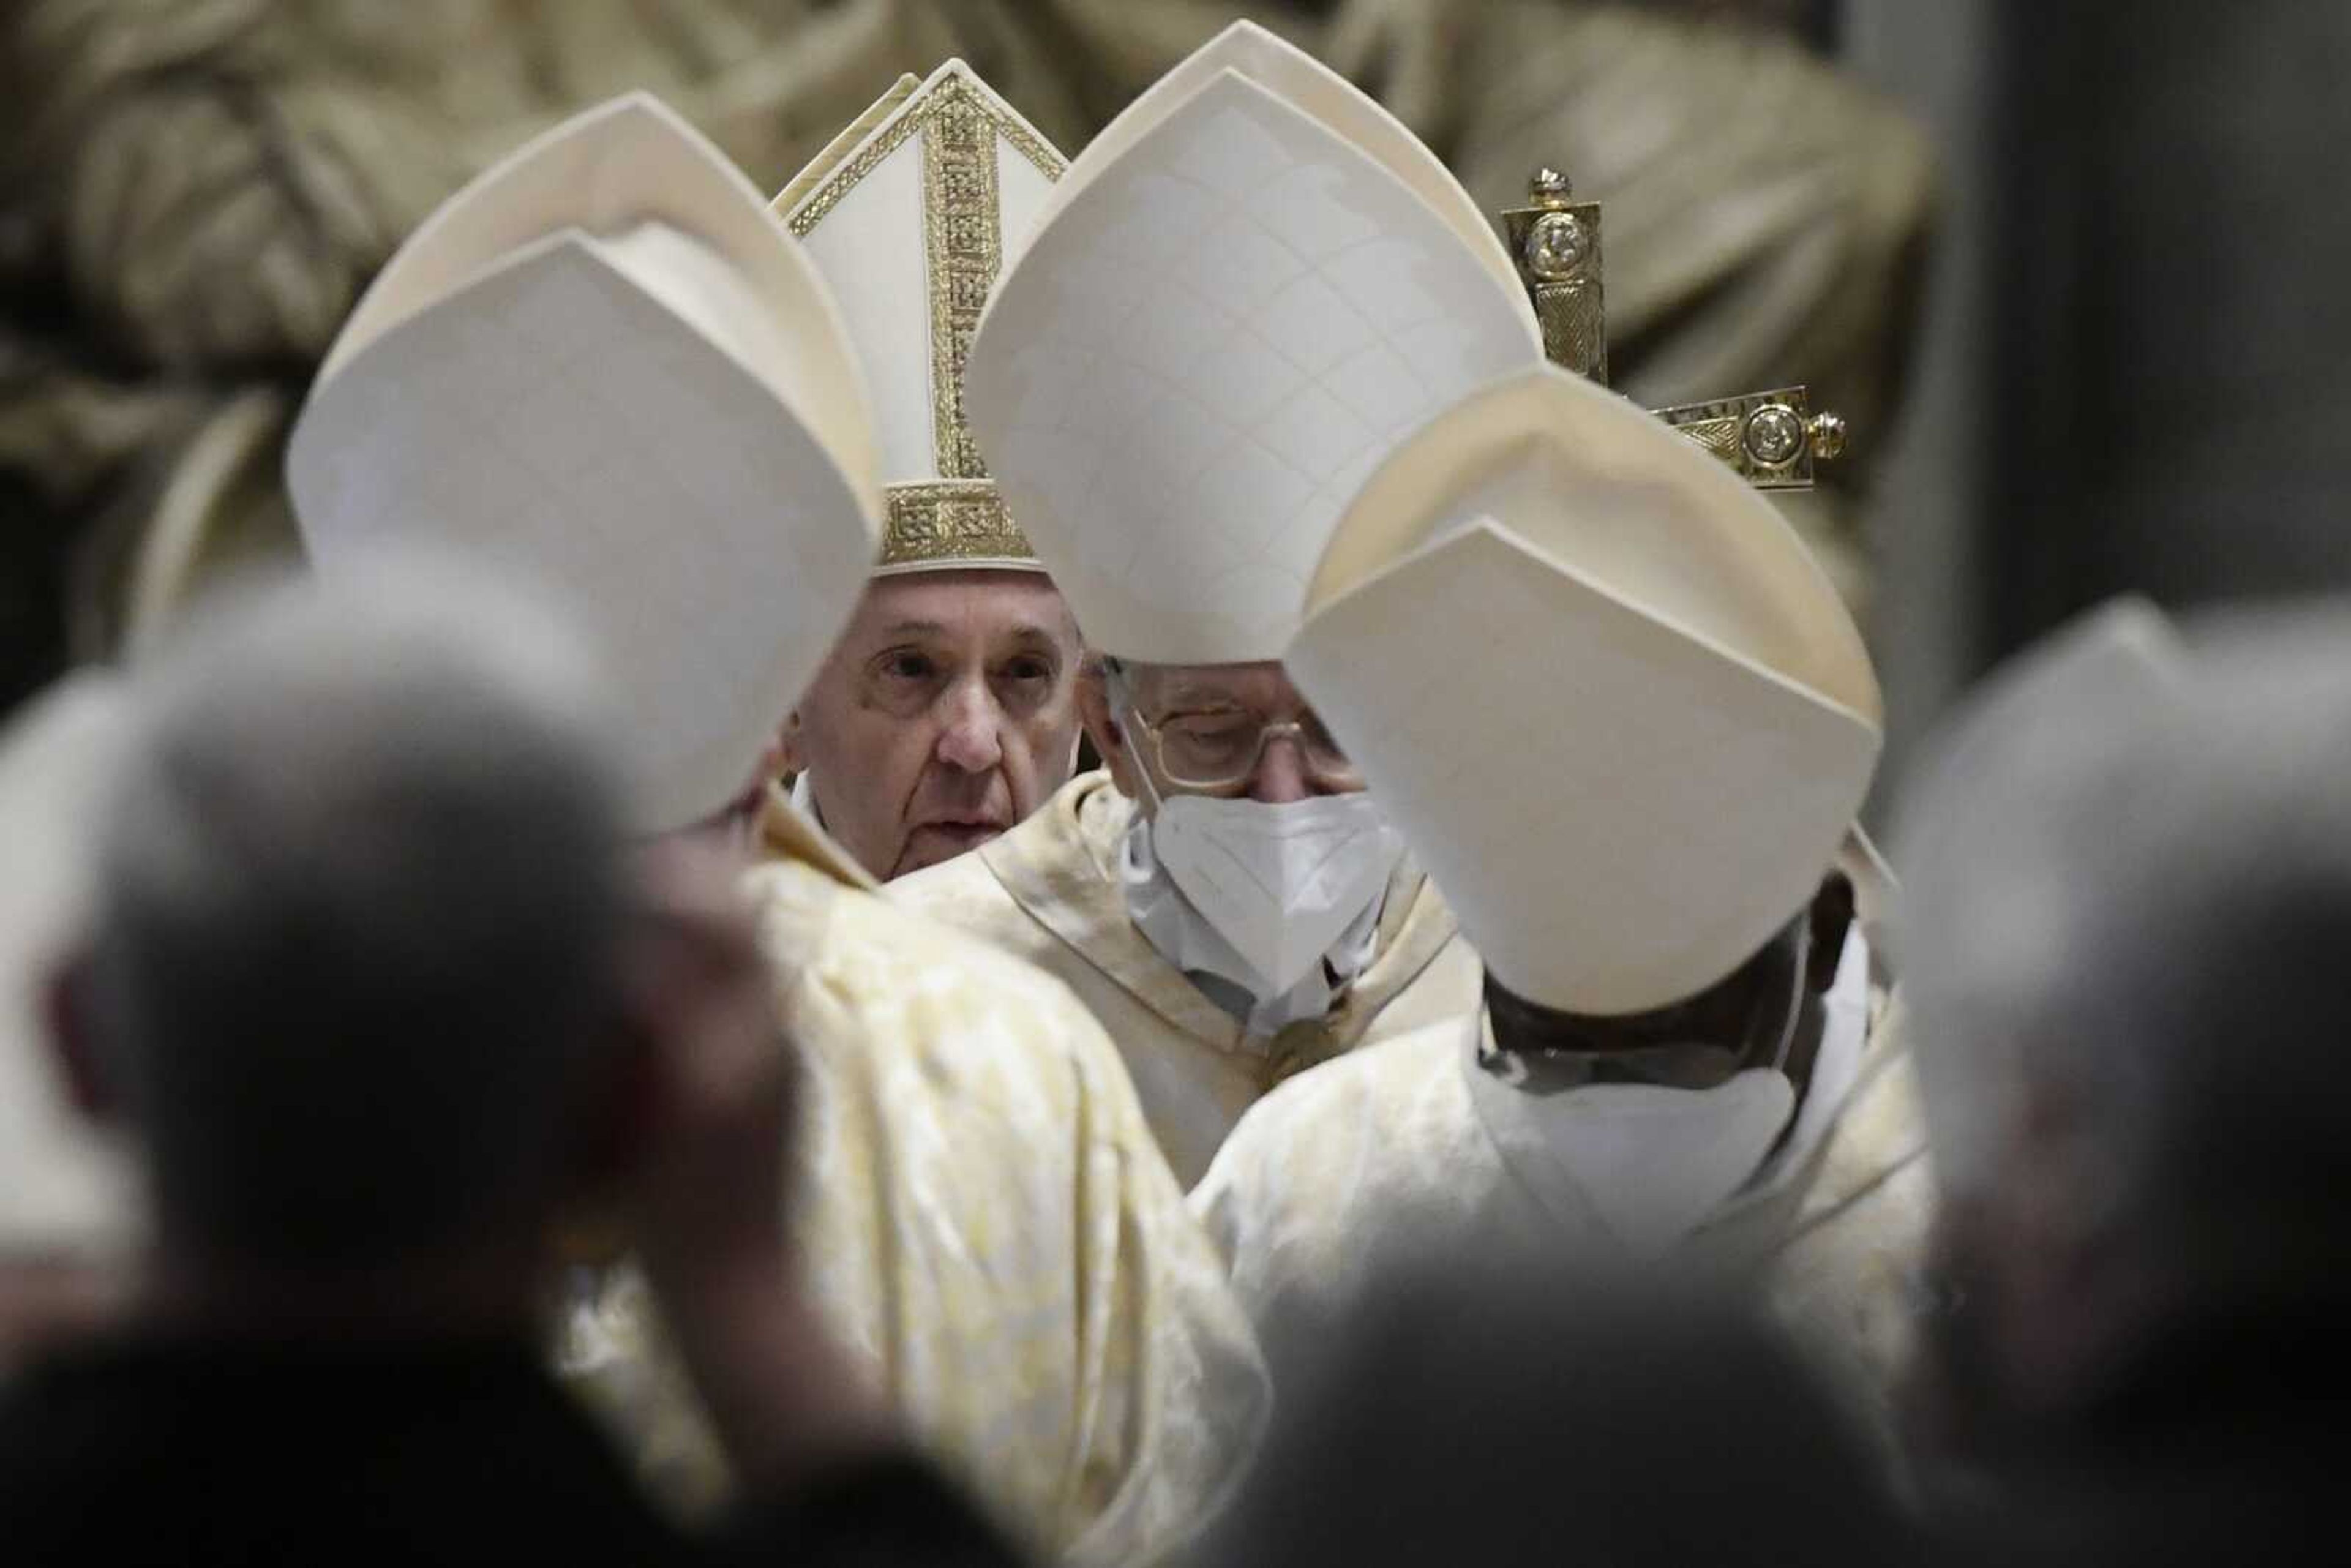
[[1263, 687], [979, 604]]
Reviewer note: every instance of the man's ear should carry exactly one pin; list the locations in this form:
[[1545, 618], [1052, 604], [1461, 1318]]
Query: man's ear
[[70, 1023], [1832, 917], [1109, 739]]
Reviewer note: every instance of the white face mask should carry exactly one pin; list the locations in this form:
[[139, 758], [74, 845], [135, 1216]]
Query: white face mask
[[1282, 884], [1653, 1163]]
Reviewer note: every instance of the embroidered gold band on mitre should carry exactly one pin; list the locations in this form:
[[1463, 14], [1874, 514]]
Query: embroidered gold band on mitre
[[955, 522], [962, 227], [957, 517]]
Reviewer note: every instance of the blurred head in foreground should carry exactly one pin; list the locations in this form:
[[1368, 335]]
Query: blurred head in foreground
[[2128, 912], [1492, 1412], [66, 1207], [350, 973]]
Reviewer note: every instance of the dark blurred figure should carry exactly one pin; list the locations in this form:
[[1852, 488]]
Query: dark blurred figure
[[2128, 916], [379, 990], [64, 1196], [1490, 1414]]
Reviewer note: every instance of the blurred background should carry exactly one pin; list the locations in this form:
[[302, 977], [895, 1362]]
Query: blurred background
[[2071, 271]]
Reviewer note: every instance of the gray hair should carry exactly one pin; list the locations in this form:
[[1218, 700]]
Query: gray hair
[[2129, 895], [359, 892]]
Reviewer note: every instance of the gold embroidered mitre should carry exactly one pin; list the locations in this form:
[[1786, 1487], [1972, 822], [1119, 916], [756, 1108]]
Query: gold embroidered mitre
[[908, 214]]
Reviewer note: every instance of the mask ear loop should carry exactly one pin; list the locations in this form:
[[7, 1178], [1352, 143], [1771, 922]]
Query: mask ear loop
[[1122, 707]]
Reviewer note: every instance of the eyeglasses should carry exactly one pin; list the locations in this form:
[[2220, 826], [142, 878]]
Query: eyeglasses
[[1220, 750]]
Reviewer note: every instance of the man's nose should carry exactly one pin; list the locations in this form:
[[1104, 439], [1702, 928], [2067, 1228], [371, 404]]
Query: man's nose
[[972, 736], [1280, 776]]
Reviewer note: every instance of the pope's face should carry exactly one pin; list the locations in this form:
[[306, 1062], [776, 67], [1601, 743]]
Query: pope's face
[[1189, 722], [946, 714]]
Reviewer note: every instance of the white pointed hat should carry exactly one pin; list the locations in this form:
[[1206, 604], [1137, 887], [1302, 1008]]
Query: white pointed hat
[[1250, 285], [604, 368], [60, 1187], [908, 214], [1599, 684]]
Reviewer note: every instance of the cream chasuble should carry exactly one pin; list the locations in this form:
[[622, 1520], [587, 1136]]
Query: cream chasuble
[[986, 1221], [1357, 1164], [618, 378], [1048, 891]]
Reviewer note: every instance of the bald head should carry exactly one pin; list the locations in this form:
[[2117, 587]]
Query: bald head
[[358, 895]]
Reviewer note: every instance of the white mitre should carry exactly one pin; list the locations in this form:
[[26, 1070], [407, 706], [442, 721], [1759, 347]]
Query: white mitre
[[61, 1187], [1250, 287], [604, 369], [908, 214], [1601, 687]]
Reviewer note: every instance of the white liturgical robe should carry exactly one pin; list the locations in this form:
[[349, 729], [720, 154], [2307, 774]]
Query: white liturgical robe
[[1049, 892], [985, 1219], [1415, 1142]]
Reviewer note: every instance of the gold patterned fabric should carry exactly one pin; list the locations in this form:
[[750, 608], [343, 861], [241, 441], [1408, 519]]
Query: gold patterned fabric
[[1356, 1165], [1049, 891], [986, 1222], [956, 522]]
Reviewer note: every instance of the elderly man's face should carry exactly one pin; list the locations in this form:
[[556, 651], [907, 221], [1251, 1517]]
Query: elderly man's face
[[947, 714], [1233, 730]]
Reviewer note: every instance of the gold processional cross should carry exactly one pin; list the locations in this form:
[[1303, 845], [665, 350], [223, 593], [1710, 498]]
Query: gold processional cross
[[1771, 438]]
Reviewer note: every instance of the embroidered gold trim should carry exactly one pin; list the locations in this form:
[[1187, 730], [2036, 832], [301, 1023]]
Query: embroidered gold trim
[[1027, 142], [955, 521], [847, 177], [821, 167], [963, 241], [963, 236]]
